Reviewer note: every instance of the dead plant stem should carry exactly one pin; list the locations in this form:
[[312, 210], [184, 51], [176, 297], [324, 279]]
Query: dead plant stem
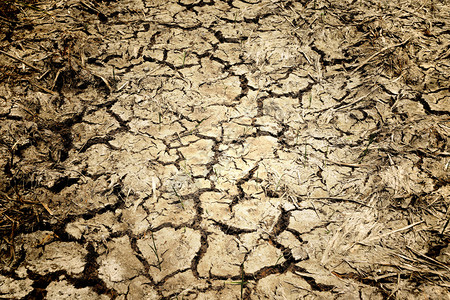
[[377, 53], [21, 60]]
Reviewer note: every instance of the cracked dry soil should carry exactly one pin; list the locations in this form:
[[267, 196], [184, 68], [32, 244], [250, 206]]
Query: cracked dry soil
[[206, 149]]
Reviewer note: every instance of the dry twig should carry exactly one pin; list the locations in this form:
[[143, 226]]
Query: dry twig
[[377, 53], [21, 60]]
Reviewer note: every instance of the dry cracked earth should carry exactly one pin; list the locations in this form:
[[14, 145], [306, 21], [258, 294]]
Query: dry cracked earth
[[207, 149]]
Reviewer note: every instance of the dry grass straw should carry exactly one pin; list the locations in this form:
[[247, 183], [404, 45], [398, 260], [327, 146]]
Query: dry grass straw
[[363, 242], [16, 214]]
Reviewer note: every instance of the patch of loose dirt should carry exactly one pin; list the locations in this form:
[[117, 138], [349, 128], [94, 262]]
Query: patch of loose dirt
[[225, 150]]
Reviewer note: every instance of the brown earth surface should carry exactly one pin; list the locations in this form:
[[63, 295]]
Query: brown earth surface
[[206, 149]]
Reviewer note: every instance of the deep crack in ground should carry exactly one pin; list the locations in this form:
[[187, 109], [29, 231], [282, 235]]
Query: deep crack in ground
[[204, 149]]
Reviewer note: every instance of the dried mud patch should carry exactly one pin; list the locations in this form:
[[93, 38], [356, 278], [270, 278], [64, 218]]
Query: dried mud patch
[[222, 150]]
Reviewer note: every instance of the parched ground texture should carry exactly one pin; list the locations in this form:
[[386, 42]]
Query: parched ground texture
[[225, 150]]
